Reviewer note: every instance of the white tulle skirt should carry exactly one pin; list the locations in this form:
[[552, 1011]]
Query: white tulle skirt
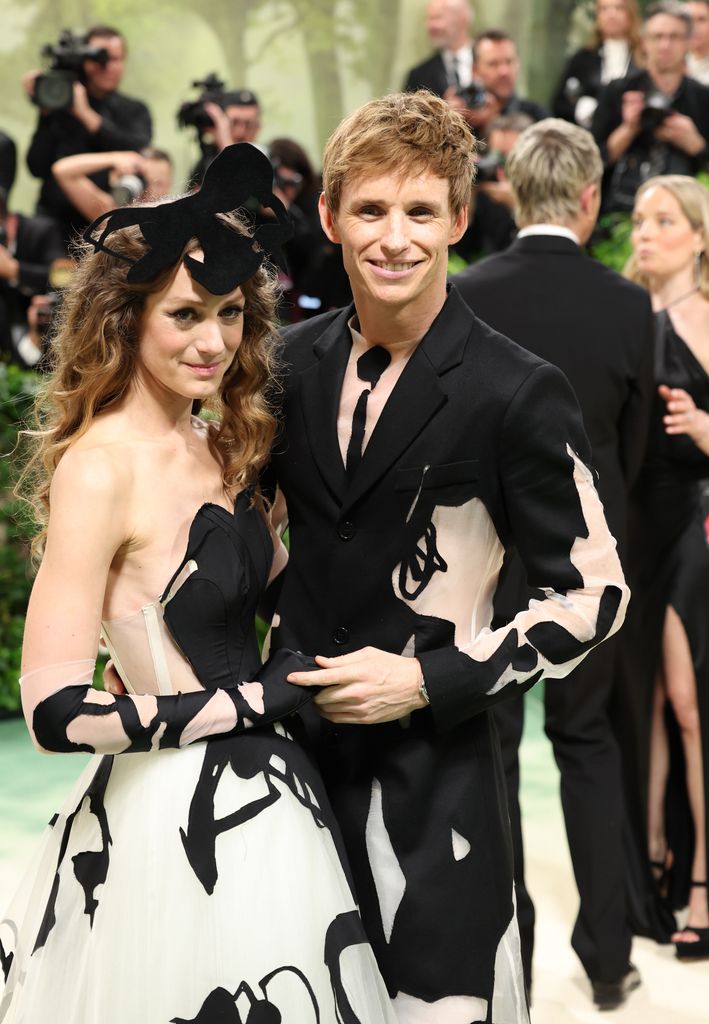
[[115, 924]]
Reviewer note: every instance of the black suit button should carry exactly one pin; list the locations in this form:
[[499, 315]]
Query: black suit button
[[346, 530], [341, 635]]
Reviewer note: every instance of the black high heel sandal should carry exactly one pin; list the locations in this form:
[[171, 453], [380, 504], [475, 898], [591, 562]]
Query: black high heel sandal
[[694, 950]]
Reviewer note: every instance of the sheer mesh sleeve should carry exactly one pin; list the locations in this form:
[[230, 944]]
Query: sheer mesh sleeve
[[65, 713]]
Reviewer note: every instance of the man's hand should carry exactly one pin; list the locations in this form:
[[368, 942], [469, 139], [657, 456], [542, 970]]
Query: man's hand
[[9, 267], [499, 191], [477, 117], [82, 109], [365, 687], [221, 131], [126, 163], [29, 80], [633, 103], [681, 131], [112, 682]]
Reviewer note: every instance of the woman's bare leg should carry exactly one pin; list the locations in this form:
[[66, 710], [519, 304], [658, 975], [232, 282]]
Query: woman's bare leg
[[657, 781], [682, 692]]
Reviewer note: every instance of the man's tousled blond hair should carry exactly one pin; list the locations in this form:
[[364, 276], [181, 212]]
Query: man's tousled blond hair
[[407, 133]]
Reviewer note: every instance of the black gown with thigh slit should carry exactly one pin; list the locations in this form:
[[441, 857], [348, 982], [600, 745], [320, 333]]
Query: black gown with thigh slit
[[668, 566]]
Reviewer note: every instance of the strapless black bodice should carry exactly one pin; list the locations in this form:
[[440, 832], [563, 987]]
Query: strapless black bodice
[[212, 614]]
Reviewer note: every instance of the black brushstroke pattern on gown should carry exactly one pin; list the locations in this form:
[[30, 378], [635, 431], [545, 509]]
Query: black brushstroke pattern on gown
[[212, 618], [668, 565]]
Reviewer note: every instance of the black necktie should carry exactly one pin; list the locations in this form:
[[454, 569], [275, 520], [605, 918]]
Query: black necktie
[[370, 367], [455, 72]]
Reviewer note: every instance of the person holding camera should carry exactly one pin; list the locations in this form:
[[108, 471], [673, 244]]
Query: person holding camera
[[495, 71], [222, 119], [614, 51], [655, 121], [28, 248], [97, 117], [491, 223], [145, 176]]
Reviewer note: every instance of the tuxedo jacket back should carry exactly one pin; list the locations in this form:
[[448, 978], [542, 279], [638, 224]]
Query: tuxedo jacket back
[[557, 302]]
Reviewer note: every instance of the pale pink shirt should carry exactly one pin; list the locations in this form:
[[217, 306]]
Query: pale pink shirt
[[352, 386]]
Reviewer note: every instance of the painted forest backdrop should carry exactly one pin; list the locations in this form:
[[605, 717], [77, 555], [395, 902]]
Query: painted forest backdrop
[[309, 61]]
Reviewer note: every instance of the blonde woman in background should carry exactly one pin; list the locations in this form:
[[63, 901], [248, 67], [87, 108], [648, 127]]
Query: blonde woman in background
[[664, 680]]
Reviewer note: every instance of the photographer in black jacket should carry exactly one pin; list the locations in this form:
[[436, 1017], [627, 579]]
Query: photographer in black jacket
[[654, 121], [99, 119], [28, 248]]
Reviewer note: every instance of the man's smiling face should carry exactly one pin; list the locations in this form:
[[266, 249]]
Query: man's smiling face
[[395, 231]]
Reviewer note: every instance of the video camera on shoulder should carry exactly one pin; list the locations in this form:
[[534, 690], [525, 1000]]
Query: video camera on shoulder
[[192, 113], [54, 88], [474, 96]]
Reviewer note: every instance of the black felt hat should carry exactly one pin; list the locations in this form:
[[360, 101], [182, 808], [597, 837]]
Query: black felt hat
[[237, 177]]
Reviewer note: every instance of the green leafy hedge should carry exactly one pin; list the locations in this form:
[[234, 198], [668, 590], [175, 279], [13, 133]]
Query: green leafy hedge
[[17, 388]]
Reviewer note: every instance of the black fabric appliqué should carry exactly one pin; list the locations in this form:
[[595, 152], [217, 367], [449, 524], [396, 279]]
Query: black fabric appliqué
[[90, 867]]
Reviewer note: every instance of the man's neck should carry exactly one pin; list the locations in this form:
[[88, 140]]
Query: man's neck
[[396, 327], [701, 53], [667, 81], [460, 42], [98, 94]]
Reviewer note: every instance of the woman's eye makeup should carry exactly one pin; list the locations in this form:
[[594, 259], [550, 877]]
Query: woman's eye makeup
[[232, 312], [183, 315]]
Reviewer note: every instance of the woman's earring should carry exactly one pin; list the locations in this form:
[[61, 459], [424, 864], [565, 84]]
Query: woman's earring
[[698, 268]]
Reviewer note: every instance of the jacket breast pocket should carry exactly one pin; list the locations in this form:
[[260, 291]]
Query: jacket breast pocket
[[438, 477]]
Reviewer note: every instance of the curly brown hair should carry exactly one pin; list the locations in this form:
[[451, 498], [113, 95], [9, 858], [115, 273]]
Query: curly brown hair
[[93, 352]]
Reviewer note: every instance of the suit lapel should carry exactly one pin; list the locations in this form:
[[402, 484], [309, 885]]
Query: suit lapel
[[320, 388], [416, 398]]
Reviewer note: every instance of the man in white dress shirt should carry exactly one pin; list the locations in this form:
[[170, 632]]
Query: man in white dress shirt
[[698, 56], [448, 23]]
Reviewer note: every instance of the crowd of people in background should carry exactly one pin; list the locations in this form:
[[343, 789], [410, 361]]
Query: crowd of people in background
[[625, 130]]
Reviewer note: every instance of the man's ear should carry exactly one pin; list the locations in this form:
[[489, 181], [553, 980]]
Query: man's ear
[[327, 220], [460, 225], [589, 195]]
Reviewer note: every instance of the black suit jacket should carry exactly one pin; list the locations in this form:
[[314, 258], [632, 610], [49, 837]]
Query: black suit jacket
[[585, 66], [39, 243], [430, 74], [479, 447], [557, 302]]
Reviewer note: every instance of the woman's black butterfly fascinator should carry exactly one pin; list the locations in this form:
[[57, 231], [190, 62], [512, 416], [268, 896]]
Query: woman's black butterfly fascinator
[[239, 175]]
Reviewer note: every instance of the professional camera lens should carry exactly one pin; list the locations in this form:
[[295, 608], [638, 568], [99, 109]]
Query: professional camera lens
[[488, 166], [657, 107], [54, 90], [128, 188], [573, 89], [474, 95]]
